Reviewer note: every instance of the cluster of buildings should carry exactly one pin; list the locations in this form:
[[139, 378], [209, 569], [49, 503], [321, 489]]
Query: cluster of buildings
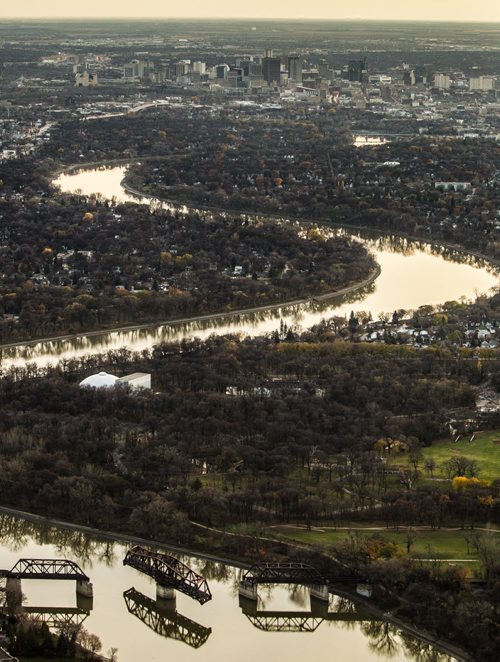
[[424, 74], [251, 74], [21, 137], [274, 73], [466, 334]]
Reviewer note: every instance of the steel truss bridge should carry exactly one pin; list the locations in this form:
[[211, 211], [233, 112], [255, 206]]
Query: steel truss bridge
[[45, 569], [169, 572], [283, 573], [293, 573], [166, 622]]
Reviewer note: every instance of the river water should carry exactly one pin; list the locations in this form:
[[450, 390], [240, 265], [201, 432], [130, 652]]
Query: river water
[[412, 274], [126, 615]]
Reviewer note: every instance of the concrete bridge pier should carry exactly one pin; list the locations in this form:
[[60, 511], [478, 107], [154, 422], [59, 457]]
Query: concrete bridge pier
[[164, 593], [248, 590], [84, 588], [84, 603], [320, 592], [14, 592]]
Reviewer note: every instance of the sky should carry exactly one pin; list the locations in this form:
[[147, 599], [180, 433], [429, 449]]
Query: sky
[[447, 10]]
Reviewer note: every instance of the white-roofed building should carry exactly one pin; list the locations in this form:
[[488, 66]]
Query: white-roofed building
[[100, 380], [136, 380]]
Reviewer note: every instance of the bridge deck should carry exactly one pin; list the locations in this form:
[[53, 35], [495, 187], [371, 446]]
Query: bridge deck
[[45, 569]]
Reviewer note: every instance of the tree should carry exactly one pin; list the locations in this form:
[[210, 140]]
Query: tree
[[410, 537], [430, 465]]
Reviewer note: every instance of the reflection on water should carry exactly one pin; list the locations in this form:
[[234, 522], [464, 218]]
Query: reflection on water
[[413, 273], [162, 617], [286, 623]]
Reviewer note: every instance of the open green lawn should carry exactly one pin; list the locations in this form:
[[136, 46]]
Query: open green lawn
[[440, 544], [485, 449]]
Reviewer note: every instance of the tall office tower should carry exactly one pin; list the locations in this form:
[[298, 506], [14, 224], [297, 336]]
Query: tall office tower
[[295, 68], [442, 81], [199, 67], [235, 77], [356, 71], [324, 70], [180, 70], [271, 68], [418, 74], [138, 70], [131, 70], [221, 71]]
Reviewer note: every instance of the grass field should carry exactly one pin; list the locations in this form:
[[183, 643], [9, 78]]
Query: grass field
[[439, 544], [485, 449]]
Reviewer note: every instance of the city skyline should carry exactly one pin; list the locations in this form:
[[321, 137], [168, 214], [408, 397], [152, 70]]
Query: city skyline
[[425, 10]]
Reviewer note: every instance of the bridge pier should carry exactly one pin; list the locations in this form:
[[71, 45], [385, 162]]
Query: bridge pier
[[320, 592], [248, 590], [164, 592], [84, 588], [84, 603], [14, 592]]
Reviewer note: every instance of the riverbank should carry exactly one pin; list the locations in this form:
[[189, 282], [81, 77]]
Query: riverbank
[[442, 646], [329, 296]]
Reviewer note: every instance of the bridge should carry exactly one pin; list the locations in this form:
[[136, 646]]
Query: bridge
[[169, 573], [60, 569], [283, 573], [165, 620], [292, 573], [45, 569]]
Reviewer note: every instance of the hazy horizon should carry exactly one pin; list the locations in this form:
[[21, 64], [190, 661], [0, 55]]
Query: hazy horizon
[[367, 10]]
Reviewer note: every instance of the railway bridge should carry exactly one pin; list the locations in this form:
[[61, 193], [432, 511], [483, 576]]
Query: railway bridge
[[292, 573], [169, 573], [55, 569]]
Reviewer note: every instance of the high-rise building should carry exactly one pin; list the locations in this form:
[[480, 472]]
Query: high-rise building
[[324, 70], [138, 70], [482, 83], [295, 68], [235, 77], [221, 71], [271, 68], [199, 67], [180, 70], [418, 74], [356, 71], [251, 69], [442, 81]]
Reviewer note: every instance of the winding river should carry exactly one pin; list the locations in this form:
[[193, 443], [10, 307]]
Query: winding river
[[412, 274]]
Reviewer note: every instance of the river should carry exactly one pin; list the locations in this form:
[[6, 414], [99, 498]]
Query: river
[[126, 615], [412, 274]]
